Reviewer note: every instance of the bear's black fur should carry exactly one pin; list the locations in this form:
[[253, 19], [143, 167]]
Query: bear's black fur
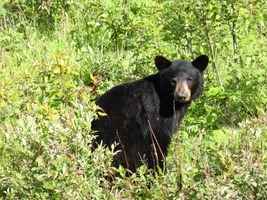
[[143, 115]]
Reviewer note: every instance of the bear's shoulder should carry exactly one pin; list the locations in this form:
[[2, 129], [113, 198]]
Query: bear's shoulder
[[130, 97]]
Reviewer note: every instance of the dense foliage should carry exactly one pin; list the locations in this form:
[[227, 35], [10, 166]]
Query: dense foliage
[[56, 56]]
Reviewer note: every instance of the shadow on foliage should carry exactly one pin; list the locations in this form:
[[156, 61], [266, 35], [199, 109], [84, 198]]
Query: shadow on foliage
[[43, 14], [243, 96]]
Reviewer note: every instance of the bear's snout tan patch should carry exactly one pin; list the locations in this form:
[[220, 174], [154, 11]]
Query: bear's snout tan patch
[[182, 91]]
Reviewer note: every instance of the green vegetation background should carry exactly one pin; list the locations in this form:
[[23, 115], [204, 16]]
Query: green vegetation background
[[56, 56]]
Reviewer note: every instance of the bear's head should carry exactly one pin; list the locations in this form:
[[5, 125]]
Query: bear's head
[[182, 81]]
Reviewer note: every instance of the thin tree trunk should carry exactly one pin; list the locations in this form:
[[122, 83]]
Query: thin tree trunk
[[232, 27], [203, 19]]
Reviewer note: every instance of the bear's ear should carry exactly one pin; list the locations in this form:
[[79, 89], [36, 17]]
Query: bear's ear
[[162, 63], [201, 62]]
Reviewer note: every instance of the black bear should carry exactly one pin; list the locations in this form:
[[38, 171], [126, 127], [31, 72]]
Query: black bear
[[142, 116]]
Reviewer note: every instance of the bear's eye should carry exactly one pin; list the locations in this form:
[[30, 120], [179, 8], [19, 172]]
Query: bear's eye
[[189, 79], [173, 82]]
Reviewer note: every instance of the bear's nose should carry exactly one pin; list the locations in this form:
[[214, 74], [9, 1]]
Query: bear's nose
[[182, 96], [182, 92]]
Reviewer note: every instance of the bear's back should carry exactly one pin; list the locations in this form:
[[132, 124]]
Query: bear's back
[[127, 99]]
